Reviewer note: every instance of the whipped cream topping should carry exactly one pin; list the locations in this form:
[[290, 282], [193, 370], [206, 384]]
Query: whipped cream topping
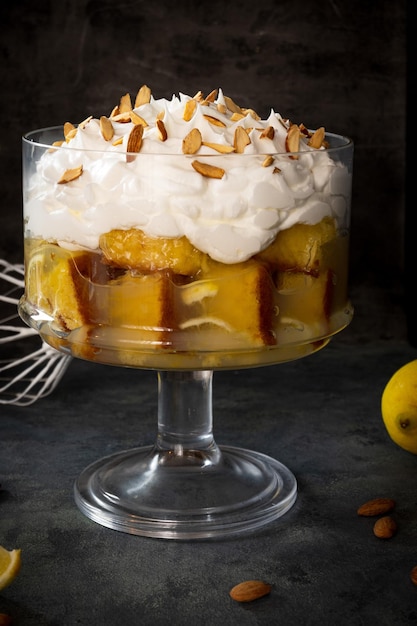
[[158, 190]]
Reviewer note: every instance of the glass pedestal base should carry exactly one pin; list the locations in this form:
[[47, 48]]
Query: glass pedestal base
[[197, 494]]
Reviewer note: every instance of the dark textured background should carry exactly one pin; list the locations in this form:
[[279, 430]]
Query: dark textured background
[[333, 63]]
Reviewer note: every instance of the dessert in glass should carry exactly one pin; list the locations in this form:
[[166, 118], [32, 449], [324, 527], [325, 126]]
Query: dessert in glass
[[186, 236]]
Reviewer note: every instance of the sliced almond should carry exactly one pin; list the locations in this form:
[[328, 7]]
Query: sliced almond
[[316, 139], [71, 135], [69, 131], [222, 108], [241, 139], [162, 131], [84, 123], [214, 121], [125, 104], [137, 119], [211, 171], [160, 115], [106, 128], [189, 108], [231, 105], [292, 140], [118, 141], [115, 111], [212, 96], [192, 142], [71, 174], [134, 142], [304, 130], [143, 96], [123, 118], [267, 133], [268, 160], [284, 122], [198, 96], [235, 117], [219, 147], [252, 113]]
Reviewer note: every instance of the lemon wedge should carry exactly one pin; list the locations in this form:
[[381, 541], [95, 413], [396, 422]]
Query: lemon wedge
[[10, 562]]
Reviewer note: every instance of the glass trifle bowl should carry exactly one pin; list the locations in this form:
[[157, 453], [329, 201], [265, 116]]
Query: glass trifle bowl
[[186, 236]]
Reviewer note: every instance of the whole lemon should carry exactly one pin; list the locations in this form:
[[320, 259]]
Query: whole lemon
[[399, 407]]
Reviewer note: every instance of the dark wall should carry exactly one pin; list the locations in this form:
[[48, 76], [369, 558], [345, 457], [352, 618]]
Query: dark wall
[[330, 62]]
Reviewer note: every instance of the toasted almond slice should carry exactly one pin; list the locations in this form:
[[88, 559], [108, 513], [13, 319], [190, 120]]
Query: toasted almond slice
[[71, 134], [268, 160], [232, 106], [267, 133], [276, 170], [219, 147], [214, 121], [198, 96], [137, 119], [241, 139], [84, 123], [125, 103], [162, 131], [292, 140], [143, 96], [69, 129], [71, 174], [235, 117], [252, 113], [222, 108], [212, 96], [160, 115], [192, 142], [316, 139], [189, 108], [118, 142], [304, 130], [210, 171], [115, 111], [284, 122], [123, 118], [106, 128], [58, 143], [134, 142]]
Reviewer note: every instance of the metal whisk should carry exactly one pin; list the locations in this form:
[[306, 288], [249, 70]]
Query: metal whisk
[[34, 369]]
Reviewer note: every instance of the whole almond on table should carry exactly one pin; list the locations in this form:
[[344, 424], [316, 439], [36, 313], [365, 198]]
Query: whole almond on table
[[377, 506], [385, 527], [249, 590]]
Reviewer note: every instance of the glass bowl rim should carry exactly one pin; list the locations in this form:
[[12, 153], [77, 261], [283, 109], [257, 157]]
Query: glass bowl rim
[[343, 143]]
